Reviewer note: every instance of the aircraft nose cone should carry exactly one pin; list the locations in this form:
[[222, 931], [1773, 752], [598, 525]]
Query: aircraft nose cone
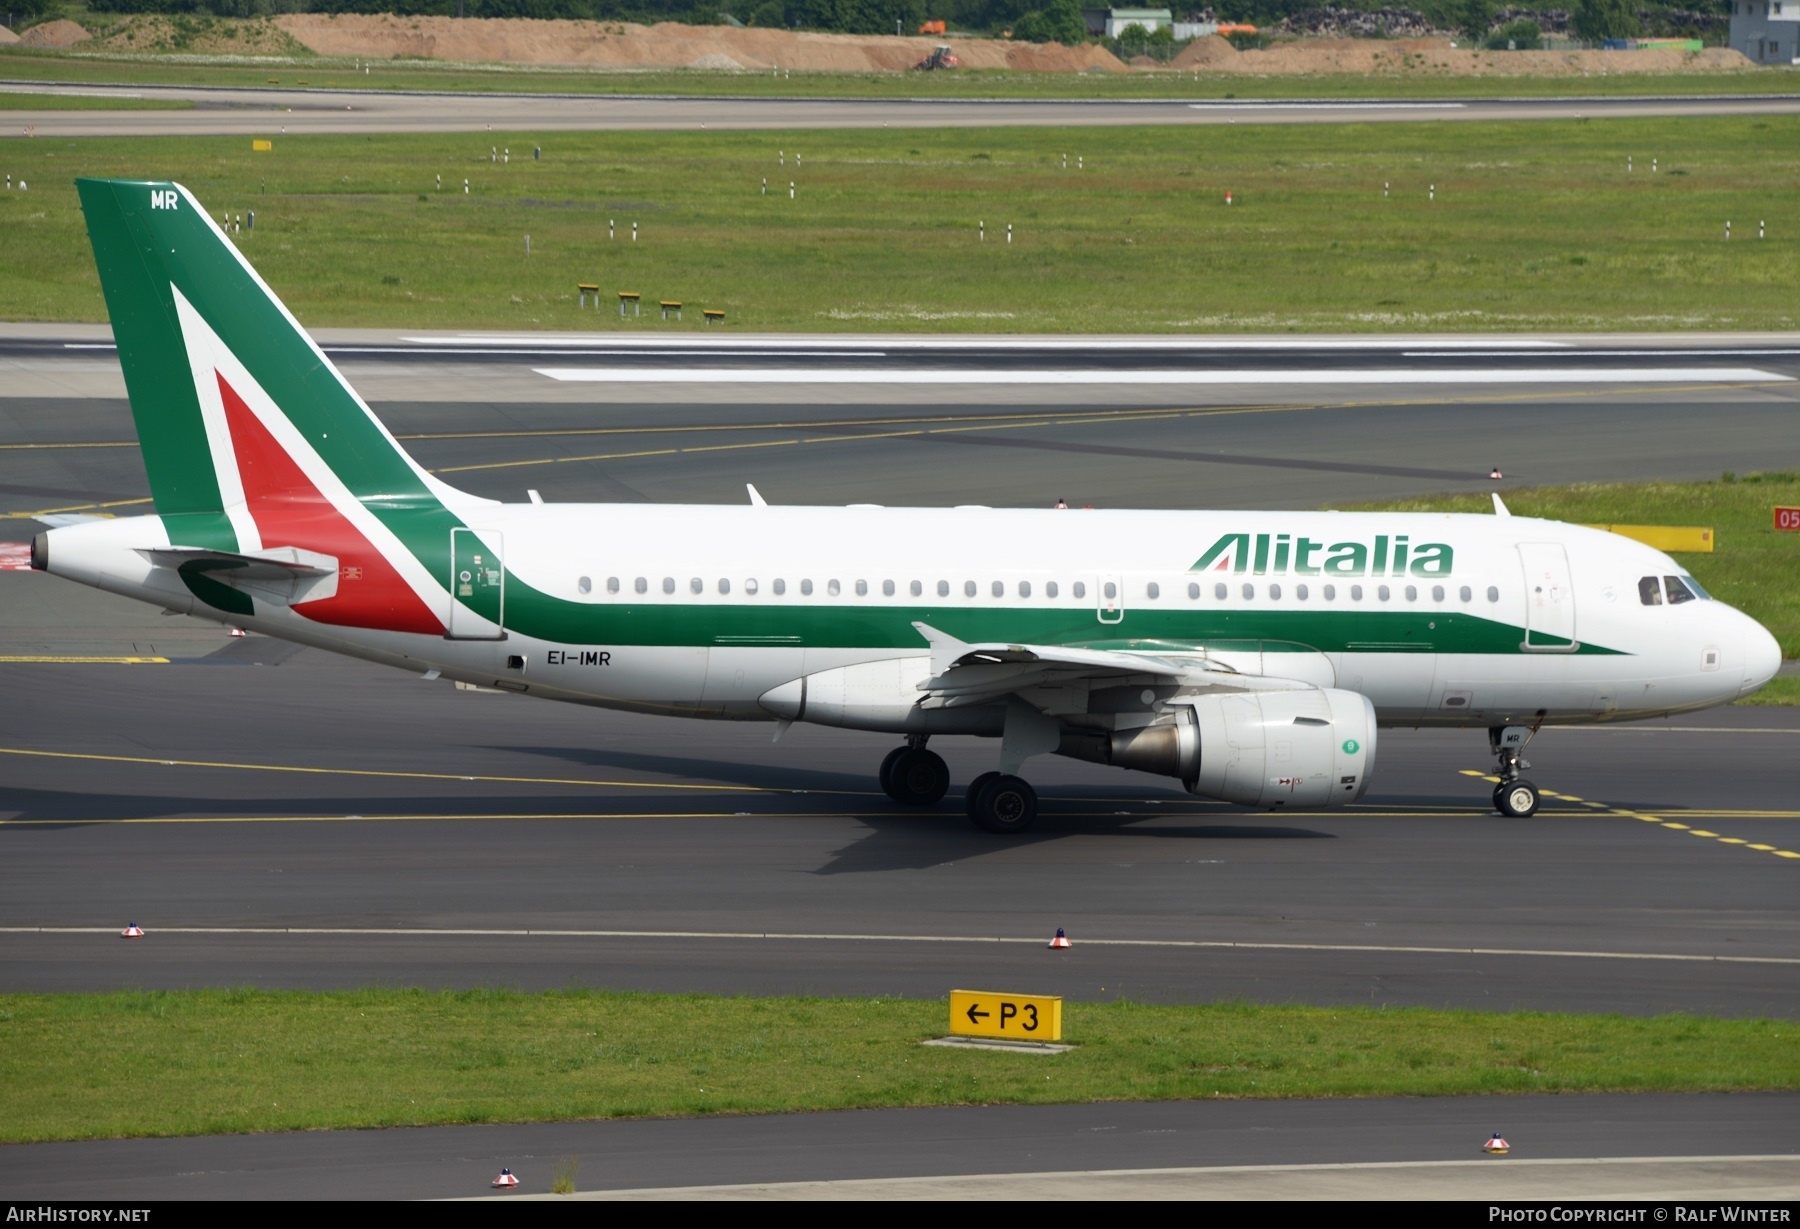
[[1762, 657]]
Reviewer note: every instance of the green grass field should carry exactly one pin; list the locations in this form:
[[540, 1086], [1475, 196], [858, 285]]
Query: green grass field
[[1753, 565], [84, 1066], [1533, 226], [88, 102], [321, 72]]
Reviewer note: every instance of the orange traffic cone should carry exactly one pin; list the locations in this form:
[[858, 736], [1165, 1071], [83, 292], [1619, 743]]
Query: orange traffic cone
[[133, 931], [506, 1178], [1061, 939], [1497, 1146]]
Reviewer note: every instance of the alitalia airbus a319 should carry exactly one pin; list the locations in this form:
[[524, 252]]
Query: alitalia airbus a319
[[1250, 655]]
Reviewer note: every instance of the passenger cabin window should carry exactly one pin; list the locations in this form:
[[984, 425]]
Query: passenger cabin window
[[862, 588], [917, 589], [1649, 592], [887, 588], [968, 588], [1437, 593], [1249, 591], [1079, 588], [1193, 593], [641, 585], [998, 588], [806, 588], [1493, 593], [1024, 588], [1330, 592], [1383, 592], [1466, 594], [832, 588], [1678, 592], [1412, 593], [943, 588], [668, 584], [1050, 588], [1356, 593], [724, 585], [1153, 590], [750, 586], [1275, 593], [1300, 592], [1110, 589], [780, 586], [696, 585], [584, 585], [1220, 591], [612, 584]]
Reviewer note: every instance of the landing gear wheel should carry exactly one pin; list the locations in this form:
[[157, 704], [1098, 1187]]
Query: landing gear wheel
[[1518, 799], [1006, 805], [886, 775], [917, 777], [973, 794]]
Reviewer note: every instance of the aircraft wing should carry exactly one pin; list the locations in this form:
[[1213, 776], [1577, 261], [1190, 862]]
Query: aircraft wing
[[964, 674]]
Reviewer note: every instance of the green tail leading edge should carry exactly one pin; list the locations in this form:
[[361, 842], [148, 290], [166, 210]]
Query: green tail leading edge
[[1251, 655]]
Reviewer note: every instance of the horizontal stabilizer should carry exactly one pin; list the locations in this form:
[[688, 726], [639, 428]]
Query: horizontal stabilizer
[[277, 563]]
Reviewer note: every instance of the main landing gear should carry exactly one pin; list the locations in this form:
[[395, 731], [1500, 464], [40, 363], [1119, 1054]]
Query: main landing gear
[[1514, 796], [913, 776], [997, 802]]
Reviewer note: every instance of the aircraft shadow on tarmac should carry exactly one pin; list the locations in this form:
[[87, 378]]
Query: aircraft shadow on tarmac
[[904, 842]]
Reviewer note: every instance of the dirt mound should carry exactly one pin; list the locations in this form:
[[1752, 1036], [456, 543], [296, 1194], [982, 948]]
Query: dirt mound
[[624, 45], [7, 37], [59, 33], [195, 35], [1437, 57], [1205, 52]]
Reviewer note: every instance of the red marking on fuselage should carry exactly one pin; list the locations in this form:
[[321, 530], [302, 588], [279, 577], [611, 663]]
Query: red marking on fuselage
[[290, 510]]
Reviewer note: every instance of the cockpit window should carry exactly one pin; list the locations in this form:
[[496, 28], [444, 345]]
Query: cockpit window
[[1649, 592], [1693, 584], [1678, 592]]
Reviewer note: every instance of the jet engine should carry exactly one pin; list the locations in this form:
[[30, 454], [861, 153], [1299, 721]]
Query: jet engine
[[1310, 748]]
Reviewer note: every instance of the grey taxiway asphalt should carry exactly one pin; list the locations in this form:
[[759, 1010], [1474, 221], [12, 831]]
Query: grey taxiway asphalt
[[236, 801], [274, 110]]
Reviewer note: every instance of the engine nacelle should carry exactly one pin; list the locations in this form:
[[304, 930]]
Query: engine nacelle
[[1306, 749], [1310, 748]]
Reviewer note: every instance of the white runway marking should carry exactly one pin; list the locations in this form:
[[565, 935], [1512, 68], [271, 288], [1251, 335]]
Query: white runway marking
[[604, 348], [1789, 352], [545, 340], [1037, 940], [1395, 375], [1326, 106]]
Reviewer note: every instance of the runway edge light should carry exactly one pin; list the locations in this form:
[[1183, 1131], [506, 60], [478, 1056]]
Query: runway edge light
[[1496, 1146], [506, 1178], [133, 931], [1061, 940]]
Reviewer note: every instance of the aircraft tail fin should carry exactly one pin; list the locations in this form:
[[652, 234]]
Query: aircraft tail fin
[[251, 437]]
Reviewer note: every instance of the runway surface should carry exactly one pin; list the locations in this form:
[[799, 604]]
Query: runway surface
[[275, 110], [279, 817], [1568, 1147]]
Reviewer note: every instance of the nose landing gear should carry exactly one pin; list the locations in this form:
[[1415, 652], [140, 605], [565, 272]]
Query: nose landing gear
[[1514, 796]]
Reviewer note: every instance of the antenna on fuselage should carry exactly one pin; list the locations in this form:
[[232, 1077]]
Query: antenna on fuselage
[[756, 499], [1500, 508]]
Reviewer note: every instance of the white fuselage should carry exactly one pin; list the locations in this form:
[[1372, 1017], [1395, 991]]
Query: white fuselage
[[704, 610]]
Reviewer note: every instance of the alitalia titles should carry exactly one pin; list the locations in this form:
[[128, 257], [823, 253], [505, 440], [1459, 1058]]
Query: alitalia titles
[[1281, 554]]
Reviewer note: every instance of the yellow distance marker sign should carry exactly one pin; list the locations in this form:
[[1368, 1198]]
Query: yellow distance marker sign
[[1017, 1017]]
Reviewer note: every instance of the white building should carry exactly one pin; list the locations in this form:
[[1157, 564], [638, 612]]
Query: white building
[[1767, 31]]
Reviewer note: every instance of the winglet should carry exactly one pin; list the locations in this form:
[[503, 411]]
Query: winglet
[[945, 648], [1499, 506], [756, 499]]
